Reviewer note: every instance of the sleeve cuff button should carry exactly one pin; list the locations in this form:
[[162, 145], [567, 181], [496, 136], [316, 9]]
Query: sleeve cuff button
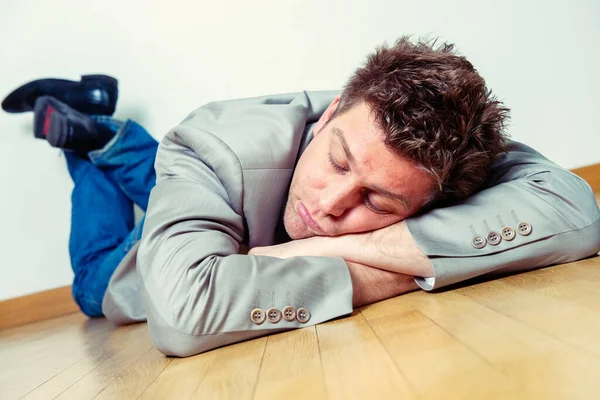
[[493, 238], [524, 228], [303, 315], [289, 313], [257, 316], [508, 233], [273, 315], [479, 242]]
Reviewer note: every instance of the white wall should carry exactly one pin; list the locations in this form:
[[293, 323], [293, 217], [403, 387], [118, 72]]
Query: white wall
[[541, 58]]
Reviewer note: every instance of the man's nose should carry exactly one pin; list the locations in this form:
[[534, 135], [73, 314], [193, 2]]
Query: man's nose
[[338, 197]]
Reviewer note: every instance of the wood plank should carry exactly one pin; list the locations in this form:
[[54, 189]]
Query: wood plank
[[477, 326], [108, 367], [591, 174], [589, 268], [355, 363], [32, 356], [561, 282], [96, 352], [435, 362], [234, 371], [137, 377], [37, 307], [181, 376], [540, 365], [291, 367], [557, 375], [43, 331], [560, 318]]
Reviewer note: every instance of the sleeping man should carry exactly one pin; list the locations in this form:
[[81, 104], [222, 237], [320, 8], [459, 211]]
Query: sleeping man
[[403, 180]]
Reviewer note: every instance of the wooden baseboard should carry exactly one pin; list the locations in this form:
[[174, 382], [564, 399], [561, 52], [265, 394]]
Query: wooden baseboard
[[591, 174], [37, 307]]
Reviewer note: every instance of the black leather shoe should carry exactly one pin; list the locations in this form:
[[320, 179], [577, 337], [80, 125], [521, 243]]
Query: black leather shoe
[[94, 94]]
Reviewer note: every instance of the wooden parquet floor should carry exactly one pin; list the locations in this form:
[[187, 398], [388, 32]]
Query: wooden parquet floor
[[529, 336]]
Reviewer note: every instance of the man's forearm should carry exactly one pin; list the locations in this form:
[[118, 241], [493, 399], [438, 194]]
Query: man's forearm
[[370, 285], [392, 249]]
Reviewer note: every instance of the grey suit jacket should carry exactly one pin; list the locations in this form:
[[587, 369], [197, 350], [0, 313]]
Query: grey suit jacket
[[222, 179]]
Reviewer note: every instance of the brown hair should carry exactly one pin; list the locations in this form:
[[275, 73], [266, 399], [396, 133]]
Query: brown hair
[[435, 109]]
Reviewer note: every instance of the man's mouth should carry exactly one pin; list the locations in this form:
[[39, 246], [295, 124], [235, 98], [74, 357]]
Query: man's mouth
[[307, 219]]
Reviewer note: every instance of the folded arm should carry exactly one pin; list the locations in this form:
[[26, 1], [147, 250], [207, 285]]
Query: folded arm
[[382, 263]]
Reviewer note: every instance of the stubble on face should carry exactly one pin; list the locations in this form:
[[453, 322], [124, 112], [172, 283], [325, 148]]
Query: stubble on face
[[294, 226]]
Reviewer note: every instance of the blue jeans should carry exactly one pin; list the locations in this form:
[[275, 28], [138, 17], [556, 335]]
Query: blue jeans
[[107, 184]]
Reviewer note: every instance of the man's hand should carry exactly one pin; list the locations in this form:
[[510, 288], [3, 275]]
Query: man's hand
[[392, 248]]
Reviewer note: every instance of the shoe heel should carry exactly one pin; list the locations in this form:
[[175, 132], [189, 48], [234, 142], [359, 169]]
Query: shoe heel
[[108, 80]]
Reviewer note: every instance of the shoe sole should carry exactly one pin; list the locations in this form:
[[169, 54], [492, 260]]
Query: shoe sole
[[56, 131]]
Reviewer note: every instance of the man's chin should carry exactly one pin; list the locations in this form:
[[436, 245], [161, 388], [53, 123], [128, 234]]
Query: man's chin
[[297, 231], [299, 234]]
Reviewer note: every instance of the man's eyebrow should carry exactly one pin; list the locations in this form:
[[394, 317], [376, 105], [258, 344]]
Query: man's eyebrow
[[399, 198], [340, 135]]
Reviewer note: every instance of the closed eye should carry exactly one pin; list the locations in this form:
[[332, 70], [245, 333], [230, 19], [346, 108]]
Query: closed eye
[[372, 206], [365, 196], [335, 166]]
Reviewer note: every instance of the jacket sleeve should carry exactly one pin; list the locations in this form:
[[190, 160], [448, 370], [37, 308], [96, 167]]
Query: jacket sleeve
[[532, 214], [198, 291]]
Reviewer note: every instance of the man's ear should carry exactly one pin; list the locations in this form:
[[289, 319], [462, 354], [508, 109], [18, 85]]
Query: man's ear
[[326, 116]]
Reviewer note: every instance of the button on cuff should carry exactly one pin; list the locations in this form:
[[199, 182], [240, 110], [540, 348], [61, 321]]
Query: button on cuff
[[524, 228], [494, 238], [257, 316], [479, 242], [289, 313], [508, 233], [303, 315], [273, 315]]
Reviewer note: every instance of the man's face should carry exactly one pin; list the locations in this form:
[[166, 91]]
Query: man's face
[[348, 181]]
